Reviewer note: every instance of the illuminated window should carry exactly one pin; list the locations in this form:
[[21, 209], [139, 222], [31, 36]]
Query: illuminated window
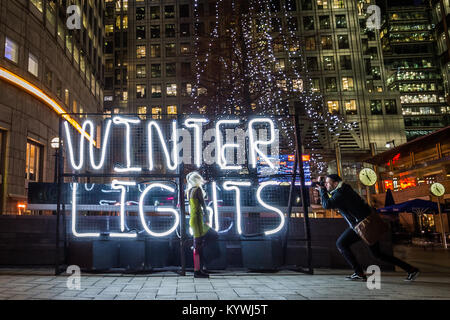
[[33, 65], [347, 84], [37, 4], [156, 70], [11, 50], [282, 84], [172, 109], [66, 97], [322, 4], [280, 65], [185, 48], [125, 23], [186, 89], [33, 162], [156, 91], [328, 63], [156, 112], [141, 71], [142, 111], [310, 43], [350, 107], [155, 51], [171, 89], [338, 4], [170, 50], [375, 107], [141, 91], [326, 42], [297, 85], [315, 84], [109, 29], [333, 106]]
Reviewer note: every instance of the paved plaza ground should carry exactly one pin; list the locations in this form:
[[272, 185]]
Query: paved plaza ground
[[41, 283], [19, 284]]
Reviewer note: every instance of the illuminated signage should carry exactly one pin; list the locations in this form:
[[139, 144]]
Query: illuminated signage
[[161, 149]]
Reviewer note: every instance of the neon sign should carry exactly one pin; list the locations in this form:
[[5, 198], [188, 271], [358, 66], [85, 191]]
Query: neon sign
[[260, 139], [258, 146]]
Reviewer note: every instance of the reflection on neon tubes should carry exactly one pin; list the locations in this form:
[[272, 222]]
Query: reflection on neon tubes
[[86, 124], [105, 145], [265, 205], [126, 122], [254, 143], [70, 146], [196, 124], [233, 185], [74, 216], [163, 144], [173, 211], [220, 150], [216, 210], [120, 185], [210, 216]]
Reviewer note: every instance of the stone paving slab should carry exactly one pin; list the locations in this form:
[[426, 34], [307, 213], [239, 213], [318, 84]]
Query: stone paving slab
[[284, 285]]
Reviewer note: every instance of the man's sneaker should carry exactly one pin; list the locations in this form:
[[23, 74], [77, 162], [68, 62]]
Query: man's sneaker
[[356, 277], [199, 274], [412, 275]]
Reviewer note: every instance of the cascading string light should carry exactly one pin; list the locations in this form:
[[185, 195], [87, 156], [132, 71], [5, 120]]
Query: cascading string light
[[271, 85]]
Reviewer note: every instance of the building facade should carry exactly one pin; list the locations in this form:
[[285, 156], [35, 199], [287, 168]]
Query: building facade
[[46, 70], [413, 67], [150, 59]]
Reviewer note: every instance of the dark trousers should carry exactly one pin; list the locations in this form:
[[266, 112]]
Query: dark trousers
[[350, 237], [210, 240]]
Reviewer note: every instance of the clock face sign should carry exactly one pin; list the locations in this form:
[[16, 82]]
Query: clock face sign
[[437, 189], [368, 177]]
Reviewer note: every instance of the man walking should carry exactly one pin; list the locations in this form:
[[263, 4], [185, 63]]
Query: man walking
[[335, 194]]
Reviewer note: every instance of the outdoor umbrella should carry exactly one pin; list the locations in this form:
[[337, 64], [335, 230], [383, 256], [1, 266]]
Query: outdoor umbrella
[[410, 206]]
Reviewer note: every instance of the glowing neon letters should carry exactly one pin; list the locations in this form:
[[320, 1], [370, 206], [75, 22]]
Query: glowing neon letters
[[220, 149], [171, 166], [120, 185], [127, 141], [233, 186], [126, 122], [163, 209], [196, 124]]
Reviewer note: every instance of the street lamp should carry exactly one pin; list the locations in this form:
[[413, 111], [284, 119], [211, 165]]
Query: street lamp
[[390, 144], [55, 145]]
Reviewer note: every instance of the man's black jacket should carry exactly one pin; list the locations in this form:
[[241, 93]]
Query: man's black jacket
[[350, 205]]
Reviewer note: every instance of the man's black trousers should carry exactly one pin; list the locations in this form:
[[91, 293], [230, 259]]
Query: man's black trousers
[[349, 237]]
